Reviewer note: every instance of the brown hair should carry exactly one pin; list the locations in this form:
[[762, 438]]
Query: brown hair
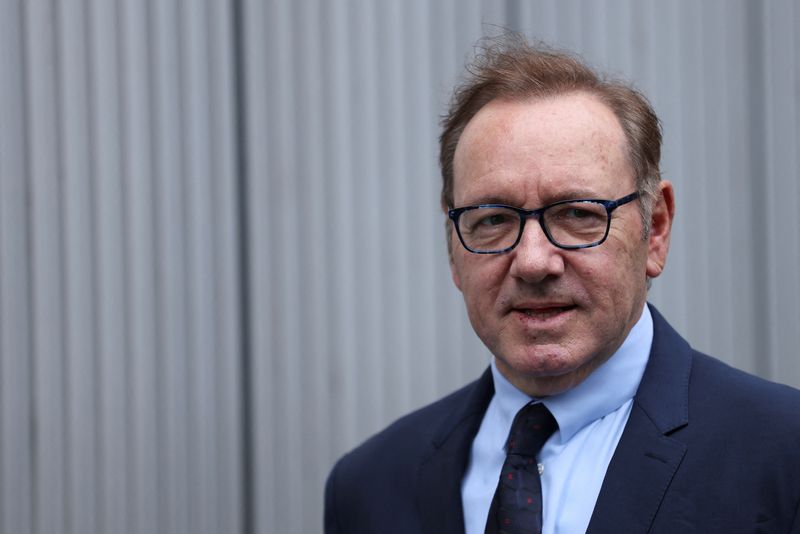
[[509, 67]]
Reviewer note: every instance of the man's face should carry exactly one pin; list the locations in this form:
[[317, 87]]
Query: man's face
[[551, 316]]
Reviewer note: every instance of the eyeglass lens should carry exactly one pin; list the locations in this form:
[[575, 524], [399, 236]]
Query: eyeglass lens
[[569, 224]]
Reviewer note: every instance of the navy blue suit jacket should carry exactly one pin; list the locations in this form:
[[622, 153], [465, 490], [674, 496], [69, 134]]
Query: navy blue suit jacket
[[707, 449]]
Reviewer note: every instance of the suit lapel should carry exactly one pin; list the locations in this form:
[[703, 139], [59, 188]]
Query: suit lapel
[[439, 482], [637, 478], [646, 458]]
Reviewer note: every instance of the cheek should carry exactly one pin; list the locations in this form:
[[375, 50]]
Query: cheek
[[479, 278], [620, 280], [605, 279], [454, 274]]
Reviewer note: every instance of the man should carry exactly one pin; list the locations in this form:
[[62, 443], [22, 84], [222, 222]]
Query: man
[[595, 415]]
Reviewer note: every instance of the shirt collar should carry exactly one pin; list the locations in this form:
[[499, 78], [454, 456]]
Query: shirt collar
[[593, 398]]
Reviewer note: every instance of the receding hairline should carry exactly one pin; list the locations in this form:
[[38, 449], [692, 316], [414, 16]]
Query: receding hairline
[[618, 135]]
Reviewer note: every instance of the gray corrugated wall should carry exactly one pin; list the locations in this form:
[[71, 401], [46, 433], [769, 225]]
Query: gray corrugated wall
[[120, 363], [221, 256]]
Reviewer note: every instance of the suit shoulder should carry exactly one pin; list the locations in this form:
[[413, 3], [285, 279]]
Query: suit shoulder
[[376, 480], [413, 431], [718, 385]]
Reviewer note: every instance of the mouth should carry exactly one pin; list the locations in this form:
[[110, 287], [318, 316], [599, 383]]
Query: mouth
[[543, 313]]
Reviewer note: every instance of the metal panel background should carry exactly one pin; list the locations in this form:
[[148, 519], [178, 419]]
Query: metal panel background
[[222, 260], [119, 269]]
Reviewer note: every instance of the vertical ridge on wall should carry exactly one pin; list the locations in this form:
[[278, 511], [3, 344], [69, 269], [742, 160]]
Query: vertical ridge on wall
[[16, 430], [255, 114], [312, 214], [45, 270], [79, 297], [228, 298], [755, 201], [341, 251], [735, 145], [200, 218], [395, 248], [781, 66], [107, 205], [373, 208], [711, 165], [143, 487], [170, 319], [284, 255], [693, 149], [243, 327], [421, 258]]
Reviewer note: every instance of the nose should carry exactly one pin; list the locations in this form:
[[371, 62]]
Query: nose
[[535, 257]]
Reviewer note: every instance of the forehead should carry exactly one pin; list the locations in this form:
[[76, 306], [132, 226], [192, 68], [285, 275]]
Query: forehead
[[567, 141]]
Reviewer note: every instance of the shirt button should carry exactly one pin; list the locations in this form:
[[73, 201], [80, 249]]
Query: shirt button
[[541, 468]]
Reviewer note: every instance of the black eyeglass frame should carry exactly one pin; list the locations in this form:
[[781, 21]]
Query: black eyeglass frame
[[610, 205]]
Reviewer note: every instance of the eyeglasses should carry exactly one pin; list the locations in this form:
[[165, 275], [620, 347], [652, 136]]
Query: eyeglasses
[[568, 224]]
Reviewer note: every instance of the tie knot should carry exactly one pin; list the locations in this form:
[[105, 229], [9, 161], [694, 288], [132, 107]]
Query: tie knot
[[532, 426]]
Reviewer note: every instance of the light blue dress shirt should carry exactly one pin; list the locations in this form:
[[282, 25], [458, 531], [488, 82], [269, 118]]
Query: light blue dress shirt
[[591, 417]]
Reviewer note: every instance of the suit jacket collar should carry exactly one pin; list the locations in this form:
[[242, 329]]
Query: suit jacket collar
[[646, 457], [439, 481]]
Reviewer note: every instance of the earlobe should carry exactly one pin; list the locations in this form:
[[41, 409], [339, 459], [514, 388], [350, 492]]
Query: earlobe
[[660, 228]]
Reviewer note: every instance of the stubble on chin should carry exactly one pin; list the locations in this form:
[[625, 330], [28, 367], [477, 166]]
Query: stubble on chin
[[545, 378]]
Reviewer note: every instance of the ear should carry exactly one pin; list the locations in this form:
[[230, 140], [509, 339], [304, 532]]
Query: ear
[[660, 228]]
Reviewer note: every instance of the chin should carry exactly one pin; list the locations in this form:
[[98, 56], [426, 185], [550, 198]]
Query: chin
[[548, 362], [545, 370]]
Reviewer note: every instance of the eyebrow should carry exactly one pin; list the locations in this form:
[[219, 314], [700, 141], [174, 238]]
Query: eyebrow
[[489, 199], [568, 194]]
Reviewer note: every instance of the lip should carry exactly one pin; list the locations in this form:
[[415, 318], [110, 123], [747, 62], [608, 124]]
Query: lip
[[543, 314]]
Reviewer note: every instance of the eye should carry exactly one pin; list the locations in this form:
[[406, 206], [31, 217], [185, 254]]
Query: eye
[[578, 213], [489, 220], [495, 219], [576, 222]]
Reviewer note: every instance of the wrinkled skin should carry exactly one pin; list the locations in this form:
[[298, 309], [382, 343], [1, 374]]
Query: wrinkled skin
[[552, 316]]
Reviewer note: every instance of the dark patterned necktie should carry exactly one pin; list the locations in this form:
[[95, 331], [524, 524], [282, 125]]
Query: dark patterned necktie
[[517, 504]]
